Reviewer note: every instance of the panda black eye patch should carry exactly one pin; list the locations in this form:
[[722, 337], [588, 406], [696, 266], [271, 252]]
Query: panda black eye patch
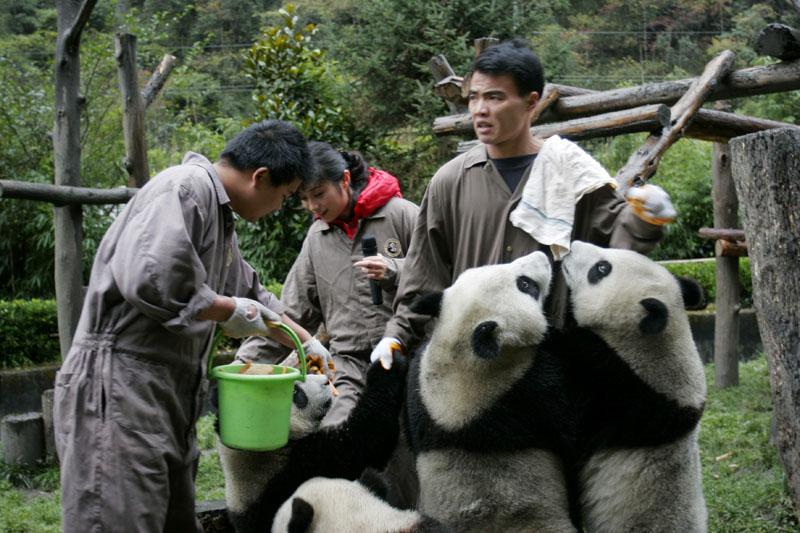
[[598, 271], [528, 286]]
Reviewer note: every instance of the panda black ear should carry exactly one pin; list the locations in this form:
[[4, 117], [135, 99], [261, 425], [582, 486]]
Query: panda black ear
[[656, 318], [427, 303], [302, 516], [484, 343], [694, 296]]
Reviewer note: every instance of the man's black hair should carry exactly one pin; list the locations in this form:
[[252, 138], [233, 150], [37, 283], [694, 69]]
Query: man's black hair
[[274, 144], [516, 59]]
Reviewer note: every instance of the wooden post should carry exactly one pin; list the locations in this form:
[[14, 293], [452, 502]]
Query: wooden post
[[482, 43], [780, 41], [451, 92], [726, 319], [765, 168], [158, 79], [133, 106], [72, 18]]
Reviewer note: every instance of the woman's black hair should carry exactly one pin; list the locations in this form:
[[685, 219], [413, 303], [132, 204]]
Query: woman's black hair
[[516, 59], [274, 144], [331, 164]]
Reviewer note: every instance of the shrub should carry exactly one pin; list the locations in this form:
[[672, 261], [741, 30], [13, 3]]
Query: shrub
[[28, 333], [704, 272]]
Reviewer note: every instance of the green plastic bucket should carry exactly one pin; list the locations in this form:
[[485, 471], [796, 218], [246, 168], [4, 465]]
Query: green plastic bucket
[[254, 410]]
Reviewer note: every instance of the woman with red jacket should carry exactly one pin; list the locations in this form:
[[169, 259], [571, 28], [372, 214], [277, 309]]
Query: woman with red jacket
[[329, 281]]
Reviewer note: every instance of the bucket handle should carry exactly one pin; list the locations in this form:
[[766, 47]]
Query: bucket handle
[[301, 353]]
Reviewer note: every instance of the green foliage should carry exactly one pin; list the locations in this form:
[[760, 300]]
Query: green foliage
[[28, 333], [704, 272], [743, 481], [294, 82]]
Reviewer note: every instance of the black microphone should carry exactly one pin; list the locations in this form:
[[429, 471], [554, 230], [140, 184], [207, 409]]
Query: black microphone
[[370, 247]]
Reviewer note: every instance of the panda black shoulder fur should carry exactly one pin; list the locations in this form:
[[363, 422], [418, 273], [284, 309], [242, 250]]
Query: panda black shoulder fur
[[257, 483], [486, 414], [639, 391], [322, 504]]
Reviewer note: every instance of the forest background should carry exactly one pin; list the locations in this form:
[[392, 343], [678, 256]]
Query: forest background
[[348, 72]]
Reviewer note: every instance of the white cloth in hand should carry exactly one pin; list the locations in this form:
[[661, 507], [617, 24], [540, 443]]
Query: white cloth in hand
[[248, 319], [384, 351], [652, 204], [561, 175]]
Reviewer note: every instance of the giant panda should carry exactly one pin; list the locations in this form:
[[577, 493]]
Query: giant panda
[[638, 388], [256, 483], [321, 505], [487, 416]]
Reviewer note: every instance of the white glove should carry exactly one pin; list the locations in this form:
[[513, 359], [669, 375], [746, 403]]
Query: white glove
[[384, 351], [651, 203], [313, 347], [248, 319]]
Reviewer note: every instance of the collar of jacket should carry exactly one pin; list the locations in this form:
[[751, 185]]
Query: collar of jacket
[[381, 187], [193, 158]]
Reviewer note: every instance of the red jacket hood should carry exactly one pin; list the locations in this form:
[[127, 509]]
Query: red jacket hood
[[381, 187]]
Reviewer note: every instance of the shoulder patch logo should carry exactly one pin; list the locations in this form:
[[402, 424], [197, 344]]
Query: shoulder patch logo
[[392, 248]]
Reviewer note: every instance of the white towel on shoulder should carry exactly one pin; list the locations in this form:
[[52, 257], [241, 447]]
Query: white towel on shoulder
[[561, 174]]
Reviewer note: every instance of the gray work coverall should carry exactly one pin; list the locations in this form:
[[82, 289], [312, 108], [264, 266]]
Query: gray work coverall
[[463, 223], [324, 287], [132, 385]]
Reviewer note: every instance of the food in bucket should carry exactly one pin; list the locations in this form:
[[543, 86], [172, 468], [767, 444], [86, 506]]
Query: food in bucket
[[260, 369]]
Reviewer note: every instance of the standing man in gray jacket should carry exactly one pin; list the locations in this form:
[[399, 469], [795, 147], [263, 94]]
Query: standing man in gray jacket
[[513, 194], [132, 385]]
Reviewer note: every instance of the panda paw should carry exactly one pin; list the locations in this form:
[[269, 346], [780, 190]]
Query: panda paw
[[394, 377]]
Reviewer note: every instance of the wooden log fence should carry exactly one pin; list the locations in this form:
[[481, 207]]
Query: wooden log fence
[[61, 195], [779, 40], [640, 119], [644, 162]]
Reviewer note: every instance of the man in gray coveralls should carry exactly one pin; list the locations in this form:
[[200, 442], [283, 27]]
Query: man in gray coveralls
[[132, 385]]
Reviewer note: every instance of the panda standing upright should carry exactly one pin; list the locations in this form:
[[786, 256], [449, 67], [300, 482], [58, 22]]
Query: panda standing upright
[[486, 411], [638, 388]]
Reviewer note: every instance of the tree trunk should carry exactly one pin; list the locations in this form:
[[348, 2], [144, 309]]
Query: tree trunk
[[133, 106], [72, 17], [766, 170], [726, 318]]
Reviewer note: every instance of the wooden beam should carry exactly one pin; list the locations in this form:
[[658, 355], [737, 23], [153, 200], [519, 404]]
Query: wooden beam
[[779, 41], [548, 98], [764, 79], [720, 126], [462, 123], [447, 84], [643, 163], [729, 250], [61, 195], [133, 107], [726, 234], [158, 79], [645, 118], [727, 303]]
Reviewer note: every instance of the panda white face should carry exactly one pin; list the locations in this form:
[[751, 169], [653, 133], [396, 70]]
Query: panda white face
[[620, 292], [490, 321], [311, 401], [498, 306]]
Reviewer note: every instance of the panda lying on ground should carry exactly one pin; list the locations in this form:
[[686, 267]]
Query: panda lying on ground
[[322, 505], [257, 483], [638, 388], [486, 414]]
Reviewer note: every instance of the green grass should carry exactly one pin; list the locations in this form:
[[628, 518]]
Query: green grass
[[743, 481]]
